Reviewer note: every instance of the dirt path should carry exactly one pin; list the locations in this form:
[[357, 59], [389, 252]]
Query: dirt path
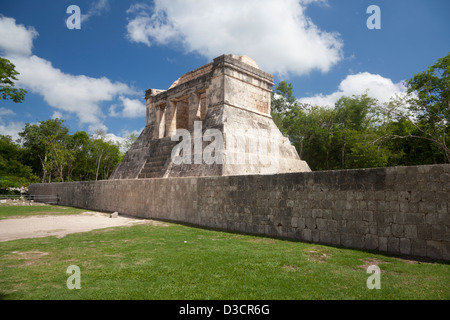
[[59, 226]]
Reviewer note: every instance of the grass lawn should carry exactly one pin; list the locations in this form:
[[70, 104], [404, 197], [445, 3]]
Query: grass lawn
[[181, 262]]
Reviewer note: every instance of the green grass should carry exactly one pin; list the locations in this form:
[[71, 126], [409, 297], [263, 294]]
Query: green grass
[[181, 262], [8, 211]]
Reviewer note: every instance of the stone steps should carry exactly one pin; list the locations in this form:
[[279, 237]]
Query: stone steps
[[161, 151]]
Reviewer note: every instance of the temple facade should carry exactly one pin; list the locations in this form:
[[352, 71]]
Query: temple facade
[[212, 121]]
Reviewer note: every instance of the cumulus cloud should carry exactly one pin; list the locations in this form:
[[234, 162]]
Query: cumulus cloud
[[16, 39], [132, 108], [77, 94], [11, 129], [374, 85], [73, 94], [278, 35]]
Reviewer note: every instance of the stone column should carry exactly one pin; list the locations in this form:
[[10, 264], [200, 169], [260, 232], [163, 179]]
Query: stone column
[[171, 119]]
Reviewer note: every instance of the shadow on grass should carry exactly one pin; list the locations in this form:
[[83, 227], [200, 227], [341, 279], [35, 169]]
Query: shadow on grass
[[417, 259]]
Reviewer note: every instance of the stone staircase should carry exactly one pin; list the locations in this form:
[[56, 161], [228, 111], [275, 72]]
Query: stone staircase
[[160, 153]]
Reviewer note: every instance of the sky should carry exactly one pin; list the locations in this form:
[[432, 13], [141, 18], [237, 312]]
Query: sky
[[94, 77]]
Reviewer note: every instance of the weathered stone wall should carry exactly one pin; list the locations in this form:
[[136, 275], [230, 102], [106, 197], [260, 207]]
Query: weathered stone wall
[[404, 210]]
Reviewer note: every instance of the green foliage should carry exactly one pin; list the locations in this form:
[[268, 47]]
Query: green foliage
[[13, 173], [8, 75], [431, 105], [360, 132], [55, 155]]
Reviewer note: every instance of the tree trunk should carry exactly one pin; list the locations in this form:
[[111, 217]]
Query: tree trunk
[[98, 166]]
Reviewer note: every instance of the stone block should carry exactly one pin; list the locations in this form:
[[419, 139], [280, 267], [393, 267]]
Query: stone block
[[393, 245], [443, 218], [404, 196], [440, 232], [310, 223], [427, 207], [434, 249], [415, 218], [332, 225], [405, 246], [441, 207], [397, 230], [391, 196], [294, 221], [446, 250], [431, 218], [419, 247], [384, 229], [347, 226], [367, 216], [316, 213], [321, 224], [408, 207], [362, 227], [371, 242], [325, 237], [382, 243], [315, 235], [306, 235], [335, 238], [353, 240], [410, 231], [378, 216], [394, 206], [373, 227], [382, 206], [424, 232], [348, 215], [114, 215]]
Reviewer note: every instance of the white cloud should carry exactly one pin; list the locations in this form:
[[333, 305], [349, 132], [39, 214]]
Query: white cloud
[[73, 94], [57, 115], [132, 108], [378, 87], [276, 34], [11, 129], [77, 94], [15, 39], [6, 112], [121, 139], [96, 9]]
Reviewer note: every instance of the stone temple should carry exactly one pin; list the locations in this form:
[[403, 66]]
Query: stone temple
[[212, 121]]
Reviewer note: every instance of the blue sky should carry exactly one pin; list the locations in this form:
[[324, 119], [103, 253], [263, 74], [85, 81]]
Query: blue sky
[[96, 77]]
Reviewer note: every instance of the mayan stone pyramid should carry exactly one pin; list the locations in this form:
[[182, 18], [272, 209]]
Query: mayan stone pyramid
[[212, 121]]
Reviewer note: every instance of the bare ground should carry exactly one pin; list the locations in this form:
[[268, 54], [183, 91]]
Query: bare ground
[[59, 226]]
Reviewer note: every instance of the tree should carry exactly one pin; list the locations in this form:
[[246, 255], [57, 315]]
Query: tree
[[78, 165], [426, 106], [283, 98], [105, 155], [56, 155], [13, 173], [128, 141], [44, 143], [8, 75], [352, 115], [343, 137]]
